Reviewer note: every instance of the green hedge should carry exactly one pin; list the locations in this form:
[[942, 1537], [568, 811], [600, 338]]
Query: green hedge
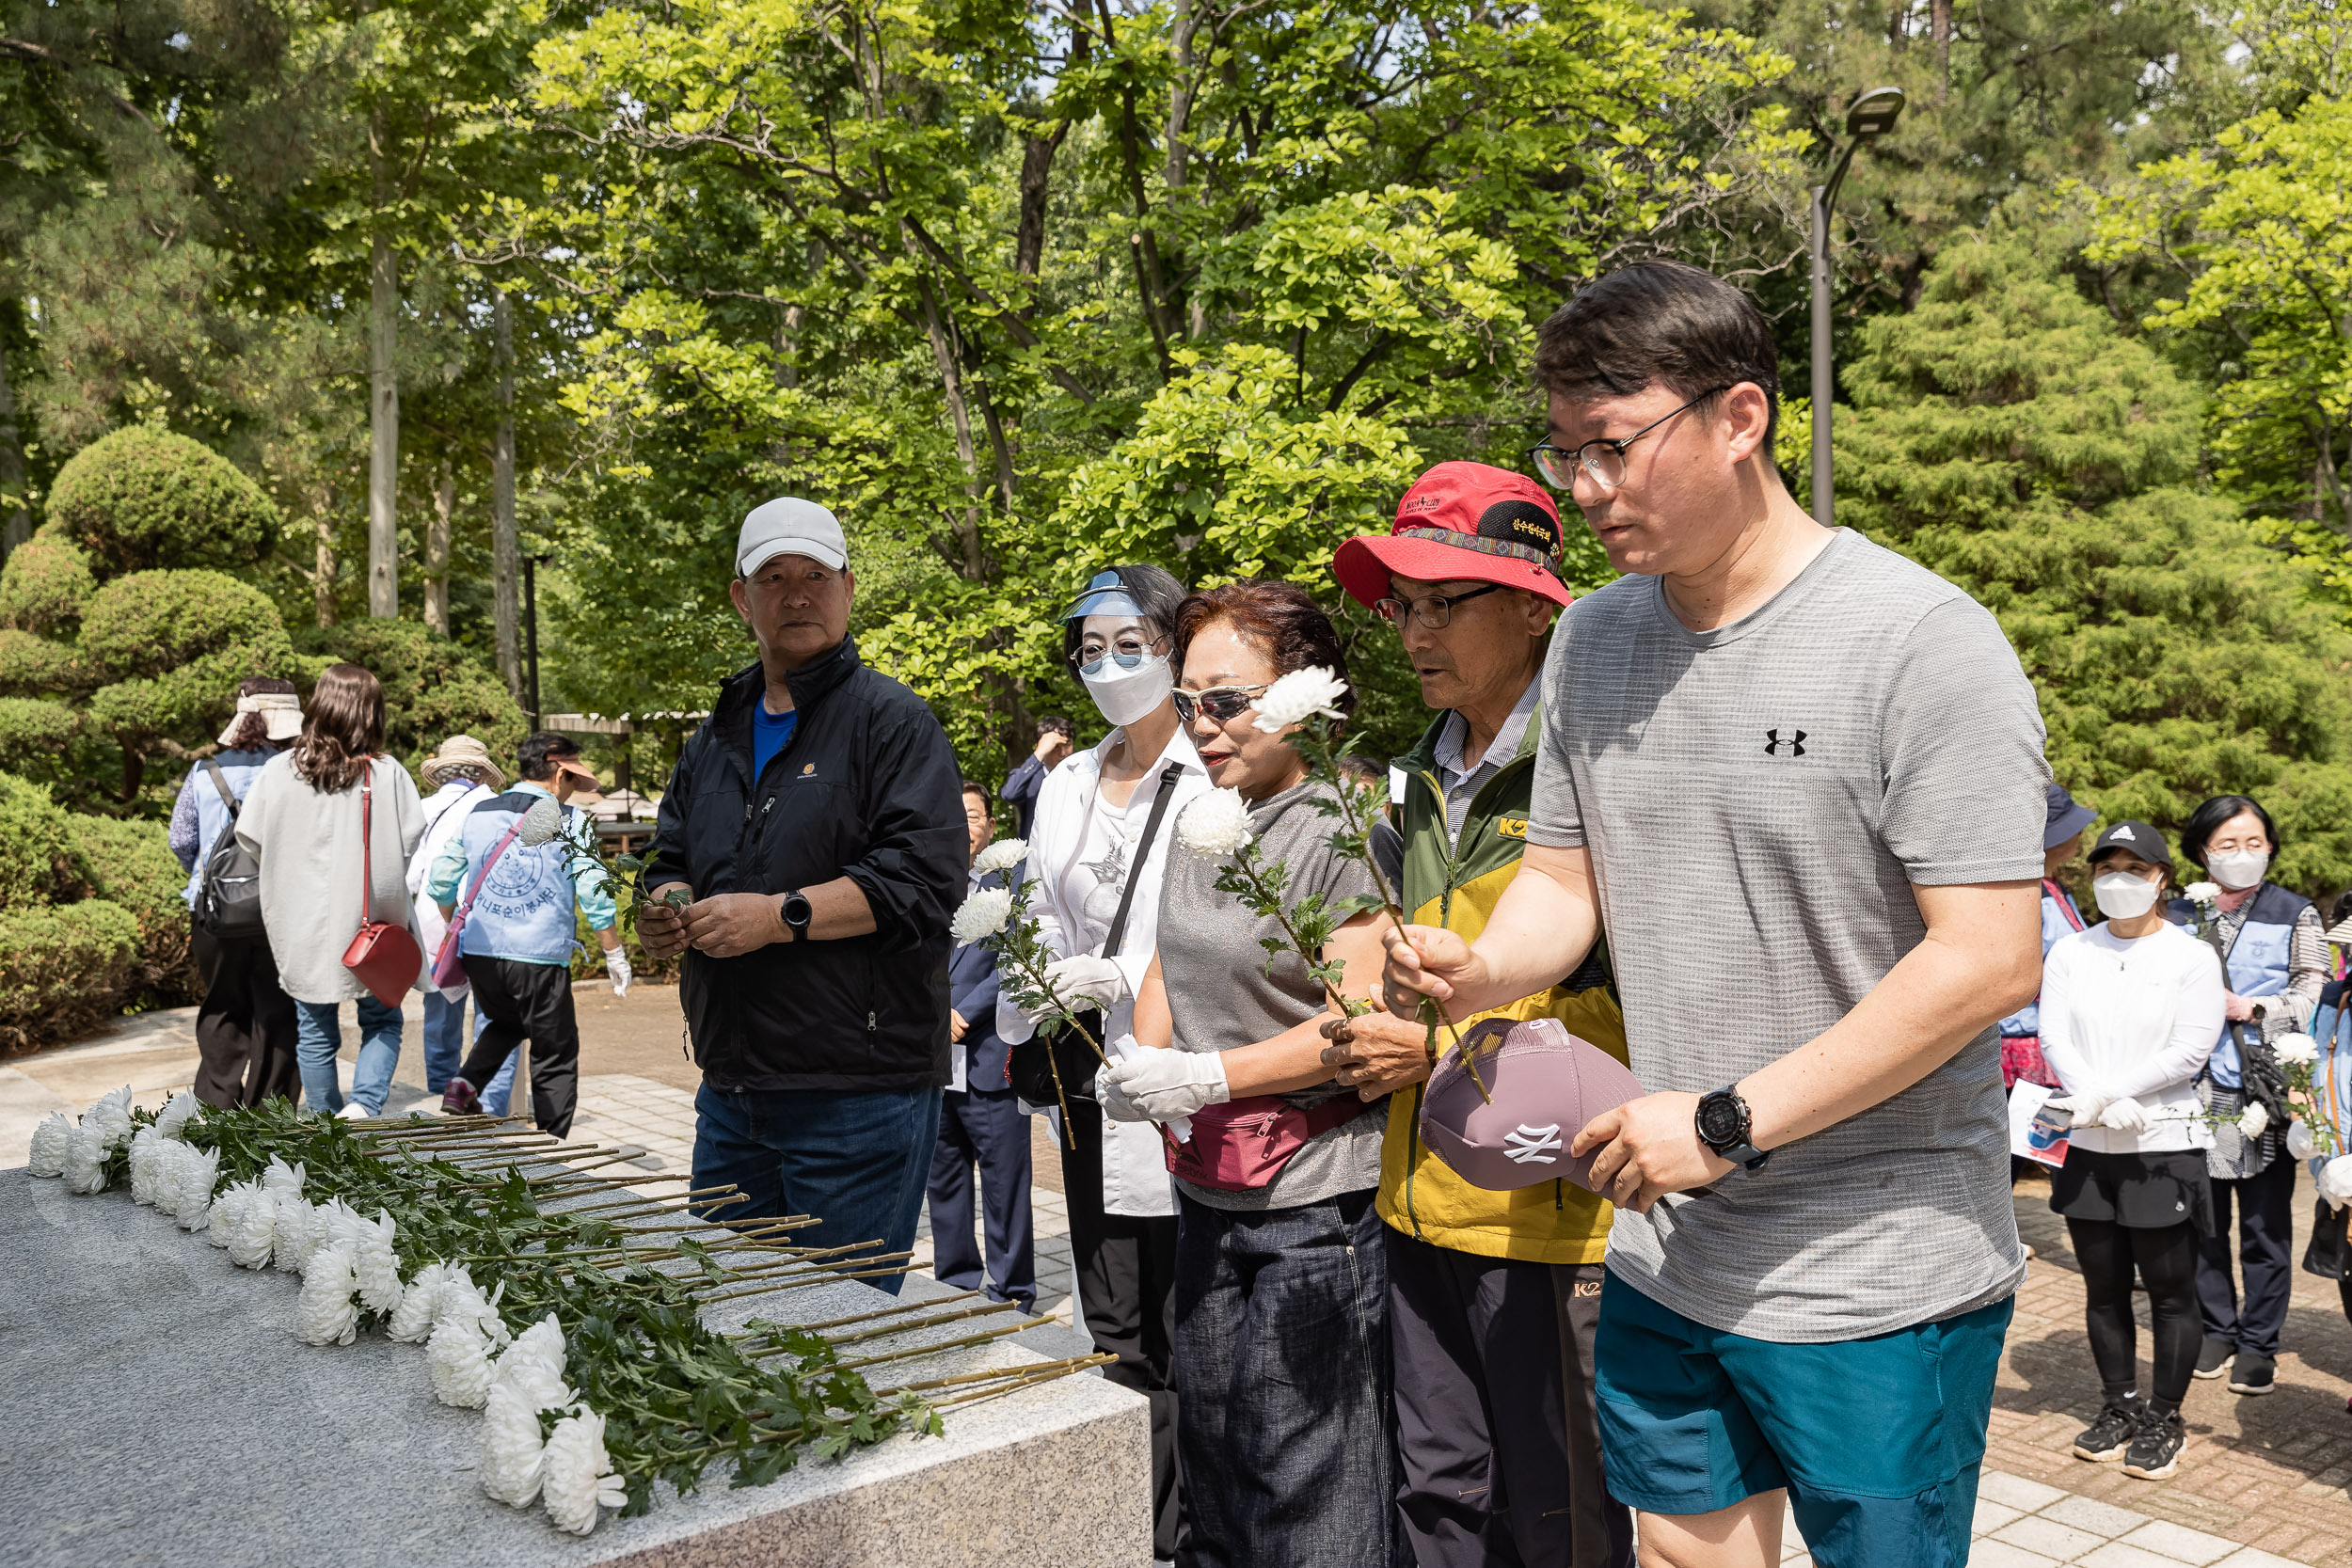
[[142, 498], [63, 970], [31, 666], [45, 585], [131, 866], [35, 734], [39, 862]]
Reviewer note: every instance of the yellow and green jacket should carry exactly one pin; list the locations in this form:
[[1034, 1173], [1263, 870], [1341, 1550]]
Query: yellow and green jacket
[[1456, 887]]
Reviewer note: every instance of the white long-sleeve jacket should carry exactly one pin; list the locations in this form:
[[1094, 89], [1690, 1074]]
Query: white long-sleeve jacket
[[2134, 1018]]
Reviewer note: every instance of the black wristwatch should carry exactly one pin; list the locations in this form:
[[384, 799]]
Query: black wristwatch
[[797, 914], [1723, 1125]]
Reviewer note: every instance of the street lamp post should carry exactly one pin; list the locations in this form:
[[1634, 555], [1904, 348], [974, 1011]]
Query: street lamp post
[[531, 631], [1872, 115]]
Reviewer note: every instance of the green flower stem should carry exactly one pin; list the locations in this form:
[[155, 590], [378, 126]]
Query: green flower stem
[[1075, 1363], [881, 1312], [1044, 987], [913, 1352], [990, 1309], [817, 1277]]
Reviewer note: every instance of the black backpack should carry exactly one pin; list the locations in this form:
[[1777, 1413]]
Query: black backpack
[[229, 894]]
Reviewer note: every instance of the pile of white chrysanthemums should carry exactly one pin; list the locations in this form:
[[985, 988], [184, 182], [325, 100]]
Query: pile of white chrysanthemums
[[346, 1263]]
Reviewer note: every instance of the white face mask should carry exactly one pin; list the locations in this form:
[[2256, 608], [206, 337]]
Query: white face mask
[[2238, 869], [1125, 693], [2123, 896]]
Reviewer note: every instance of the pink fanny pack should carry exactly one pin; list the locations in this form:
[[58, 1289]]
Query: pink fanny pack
[[1244, 1143]]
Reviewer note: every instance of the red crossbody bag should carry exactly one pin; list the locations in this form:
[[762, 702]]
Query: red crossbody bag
[[386, 957]]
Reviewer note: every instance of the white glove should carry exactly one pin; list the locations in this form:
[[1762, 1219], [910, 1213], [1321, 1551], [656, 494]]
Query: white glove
[[1088, 980], [2300, 1144], [2253, 1122], [2335, 1181], [2124, 1114], [1162, 1085], [616, 969], [2087, 1105]]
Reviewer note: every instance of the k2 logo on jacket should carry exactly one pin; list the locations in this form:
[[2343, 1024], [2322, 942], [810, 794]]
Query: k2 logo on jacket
[[1530, 1145], [1775, 747]]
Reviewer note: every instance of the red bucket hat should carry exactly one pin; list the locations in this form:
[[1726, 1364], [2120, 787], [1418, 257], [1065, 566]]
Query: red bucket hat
[[1462, 521]]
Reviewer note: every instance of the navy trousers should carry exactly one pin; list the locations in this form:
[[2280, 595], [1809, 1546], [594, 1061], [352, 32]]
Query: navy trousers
[[2265, 1249], [989, 1129], [856, 1162]]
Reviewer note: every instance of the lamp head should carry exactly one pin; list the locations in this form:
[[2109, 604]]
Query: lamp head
[[1874, 112]]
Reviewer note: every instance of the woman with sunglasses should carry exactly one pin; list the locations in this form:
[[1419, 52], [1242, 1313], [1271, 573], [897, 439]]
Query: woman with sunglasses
[[1098, 844], [1284, 1415]]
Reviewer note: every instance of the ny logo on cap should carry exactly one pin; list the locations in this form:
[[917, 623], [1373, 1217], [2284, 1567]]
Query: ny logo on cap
[[1530, 1145]]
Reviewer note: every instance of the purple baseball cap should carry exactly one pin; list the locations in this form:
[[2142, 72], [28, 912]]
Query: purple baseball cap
[[1547, 1084]]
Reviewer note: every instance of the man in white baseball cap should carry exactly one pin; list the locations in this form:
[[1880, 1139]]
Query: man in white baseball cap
[[814, 832]]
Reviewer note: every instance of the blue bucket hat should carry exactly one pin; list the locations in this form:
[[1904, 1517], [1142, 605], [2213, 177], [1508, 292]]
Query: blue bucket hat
[[2067, 818]]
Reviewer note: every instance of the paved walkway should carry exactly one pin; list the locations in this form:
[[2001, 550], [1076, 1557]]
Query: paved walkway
[[2263, 1482]]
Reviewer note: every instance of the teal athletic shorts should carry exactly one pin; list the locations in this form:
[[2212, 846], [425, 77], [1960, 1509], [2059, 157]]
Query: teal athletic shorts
[[1878, 1440]]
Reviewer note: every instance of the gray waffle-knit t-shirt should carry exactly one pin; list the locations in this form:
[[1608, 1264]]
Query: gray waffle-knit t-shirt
[[1220, 993], [1771, 791]]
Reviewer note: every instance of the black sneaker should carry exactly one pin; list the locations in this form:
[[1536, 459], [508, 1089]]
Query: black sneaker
[[2254, 1376], [2156, 1450], [2214, 1356], [2111, 1433]]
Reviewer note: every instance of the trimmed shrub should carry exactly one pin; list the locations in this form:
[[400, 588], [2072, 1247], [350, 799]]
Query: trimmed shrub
[[45, 585], [35, 734], [142, 498], [39, 861], [30, 665], [433, 688], [62, 968], [131, 866], [174, 645]]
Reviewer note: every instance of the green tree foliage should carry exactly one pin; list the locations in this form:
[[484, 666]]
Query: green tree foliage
[[432, 687], [2007, 434], [131, 866], [37, 735], [142, 498], [43, 586], [170, 648]]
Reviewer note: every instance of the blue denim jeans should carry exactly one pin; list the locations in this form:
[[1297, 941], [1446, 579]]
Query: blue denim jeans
[[318, 1034], [857, 1161], [1283, 1414], [445, 1047]]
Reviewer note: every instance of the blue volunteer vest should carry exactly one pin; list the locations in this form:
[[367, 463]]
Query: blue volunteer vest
[[524, 910], [2257, 964]]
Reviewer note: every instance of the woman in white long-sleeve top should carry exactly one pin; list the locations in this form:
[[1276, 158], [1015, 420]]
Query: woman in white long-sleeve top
[[2130, 1009]]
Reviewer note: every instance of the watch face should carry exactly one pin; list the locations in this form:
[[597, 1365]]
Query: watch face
[[1719, 1119]]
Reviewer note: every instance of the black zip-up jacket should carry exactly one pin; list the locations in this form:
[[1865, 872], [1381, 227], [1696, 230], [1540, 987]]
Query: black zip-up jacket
[[867, 789]]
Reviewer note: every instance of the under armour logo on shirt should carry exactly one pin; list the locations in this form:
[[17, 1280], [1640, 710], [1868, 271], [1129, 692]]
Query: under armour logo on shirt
[[1772, 743], [1529, 1145]]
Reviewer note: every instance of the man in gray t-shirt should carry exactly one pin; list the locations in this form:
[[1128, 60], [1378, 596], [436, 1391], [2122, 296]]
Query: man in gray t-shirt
[[1800, 779]]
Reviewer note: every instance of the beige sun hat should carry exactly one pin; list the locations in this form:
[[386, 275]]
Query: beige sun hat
[[281, 710], [460, 751]]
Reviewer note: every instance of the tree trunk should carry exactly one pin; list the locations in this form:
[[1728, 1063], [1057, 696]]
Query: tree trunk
[[1143, 247], [322, 574], [960, 414], [437, 548], [1940, 25], [16, 522], [505, 544], [1037, 173], [383, 401]]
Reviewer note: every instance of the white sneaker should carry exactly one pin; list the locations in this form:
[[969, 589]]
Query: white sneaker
[[354, 1111]]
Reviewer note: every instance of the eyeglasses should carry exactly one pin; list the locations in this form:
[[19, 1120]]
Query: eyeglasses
[[1128, 649], [1604, 459], [1223, 703], [1434, 610]]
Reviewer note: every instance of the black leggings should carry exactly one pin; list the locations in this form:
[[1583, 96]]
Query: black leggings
[[2167, 1260]]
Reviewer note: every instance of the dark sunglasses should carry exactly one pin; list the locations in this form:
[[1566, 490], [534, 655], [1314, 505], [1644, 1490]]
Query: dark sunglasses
[[1223, 703]]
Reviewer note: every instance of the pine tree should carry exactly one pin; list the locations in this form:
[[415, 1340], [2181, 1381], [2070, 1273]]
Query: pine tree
[[2007, 434]]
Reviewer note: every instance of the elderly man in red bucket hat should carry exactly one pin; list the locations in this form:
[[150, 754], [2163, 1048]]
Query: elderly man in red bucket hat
[[1493, 1295]]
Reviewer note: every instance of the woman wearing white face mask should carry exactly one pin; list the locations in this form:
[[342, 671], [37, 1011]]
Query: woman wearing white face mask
[[2129, 1010], [2275, 960], [1097, 848]]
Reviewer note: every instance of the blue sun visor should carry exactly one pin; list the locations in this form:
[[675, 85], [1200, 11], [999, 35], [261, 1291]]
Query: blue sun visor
[[1105, 595]]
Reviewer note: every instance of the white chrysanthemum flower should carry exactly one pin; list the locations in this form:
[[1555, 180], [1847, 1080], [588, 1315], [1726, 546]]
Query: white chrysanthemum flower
[[194, 1174], [576, 1477], [1297, 697], [1003, 855], [339, 1222], [326, 1314], [255, 1235], [983, 914], [297, 1232], [2295, 1050], [379, 1266], [1216, 824], [462, 1301], [538, 1348], [173, 1121], [110, 1119], [2202, 893], [420, 1304], [541, 823], [230, 1209], [2253, 1122], [49, 1142], [147, 1163], [282, 1177], [86, 1161], [459, 1357], [2300, 1144], [511, 1446]]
